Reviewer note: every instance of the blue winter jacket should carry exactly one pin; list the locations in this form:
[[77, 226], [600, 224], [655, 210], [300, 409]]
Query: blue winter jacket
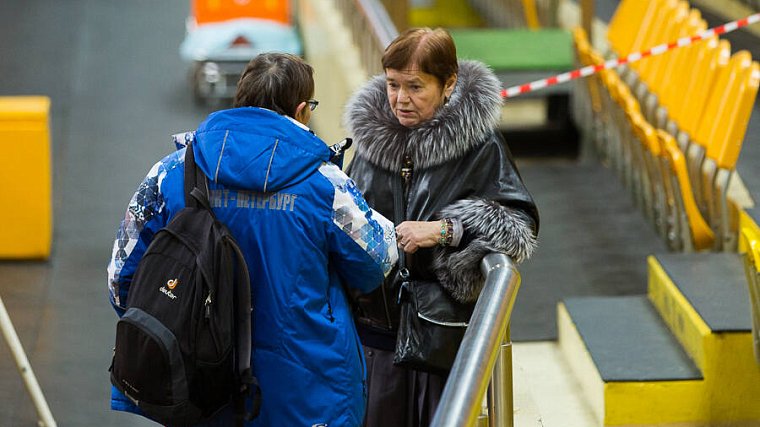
[[305, 231]]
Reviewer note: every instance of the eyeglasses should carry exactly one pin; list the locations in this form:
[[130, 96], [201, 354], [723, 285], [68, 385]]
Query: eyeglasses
[[312, 104]]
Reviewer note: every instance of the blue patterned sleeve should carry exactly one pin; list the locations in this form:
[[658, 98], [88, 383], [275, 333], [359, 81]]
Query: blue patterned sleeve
[[372, 236], [145, 215]]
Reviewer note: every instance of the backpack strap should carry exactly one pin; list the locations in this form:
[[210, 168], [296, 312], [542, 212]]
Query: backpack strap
[[196, 195], [196, 182], [249, 384]]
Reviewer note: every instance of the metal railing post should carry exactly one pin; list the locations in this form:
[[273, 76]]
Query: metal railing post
[[469, 377], [500, 400]]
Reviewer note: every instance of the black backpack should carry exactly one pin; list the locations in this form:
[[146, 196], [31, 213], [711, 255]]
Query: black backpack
[[183, 347]]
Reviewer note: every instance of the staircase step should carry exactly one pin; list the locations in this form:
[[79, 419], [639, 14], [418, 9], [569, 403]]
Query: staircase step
[[630, 366], [704, 300], [628, 340], [714, 284], [699, 295]]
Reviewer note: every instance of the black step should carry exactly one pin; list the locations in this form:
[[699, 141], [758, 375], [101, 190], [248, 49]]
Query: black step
[[715, 285], [628, 341]]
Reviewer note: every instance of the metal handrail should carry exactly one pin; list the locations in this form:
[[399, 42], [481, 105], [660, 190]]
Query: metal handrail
[[372, 30], [25, 369], [485, 342], [518, 13]]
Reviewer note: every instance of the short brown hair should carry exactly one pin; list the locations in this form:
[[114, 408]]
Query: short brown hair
[[277, 81], [433, 51]]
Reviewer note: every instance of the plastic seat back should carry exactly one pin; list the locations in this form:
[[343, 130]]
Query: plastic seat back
[[630, 23], [671, 75], [712, 59], [646, 134], [670, 17], [626, 22], [732, 123], [582, 45], [694, 60], [588, 56], [701, 236], [713, 127]]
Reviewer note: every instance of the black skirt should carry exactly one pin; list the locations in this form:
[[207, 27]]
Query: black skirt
[[398, 396]]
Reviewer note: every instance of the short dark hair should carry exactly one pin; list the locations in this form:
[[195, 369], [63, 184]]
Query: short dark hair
[[433, 51], [276, 81]]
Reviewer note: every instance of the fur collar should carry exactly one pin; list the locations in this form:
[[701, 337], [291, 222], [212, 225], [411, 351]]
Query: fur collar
[[471, 114]]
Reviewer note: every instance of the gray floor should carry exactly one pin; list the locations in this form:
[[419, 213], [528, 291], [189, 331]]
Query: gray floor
[[118, 89]]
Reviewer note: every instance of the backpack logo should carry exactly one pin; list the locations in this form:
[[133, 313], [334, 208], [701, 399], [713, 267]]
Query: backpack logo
[[167, 290]]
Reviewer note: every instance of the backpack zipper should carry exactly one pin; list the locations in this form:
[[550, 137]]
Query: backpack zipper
[[207, 305]]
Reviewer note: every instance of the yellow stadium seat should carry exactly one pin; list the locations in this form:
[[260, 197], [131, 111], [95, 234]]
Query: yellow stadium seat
[[710, 128], [656, 188], [669, 75], [587, 56], [712, 58], [676, 26], [25, 171], [647, 135], [692, 59], [648, 36], [669, 18], [634, 161], [612, 143], [749, 226], [629, 24], [690, 227], [735, 93], [531, 14], [588, 102], [734, 117], [629, 14]]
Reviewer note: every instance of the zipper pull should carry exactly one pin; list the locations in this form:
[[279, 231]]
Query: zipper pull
[[406, 169], [207, 305], [404, 288]]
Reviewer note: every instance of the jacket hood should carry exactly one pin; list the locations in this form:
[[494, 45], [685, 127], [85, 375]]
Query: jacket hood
[[257, 149], [464, 122]]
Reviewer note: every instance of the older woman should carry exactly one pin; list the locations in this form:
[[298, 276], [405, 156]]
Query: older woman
[[432, 119]]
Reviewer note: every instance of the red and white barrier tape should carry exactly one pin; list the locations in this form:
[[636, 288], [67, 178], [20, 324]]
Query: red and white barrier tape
[[612, 63]]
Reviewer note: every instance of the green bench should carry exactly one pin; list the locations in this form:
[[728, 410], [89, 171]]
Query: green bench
[[520, 56]]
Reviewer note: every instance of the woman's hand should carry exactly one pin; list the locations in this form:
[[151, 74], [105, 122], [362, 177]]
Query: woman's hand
[[412, 235]]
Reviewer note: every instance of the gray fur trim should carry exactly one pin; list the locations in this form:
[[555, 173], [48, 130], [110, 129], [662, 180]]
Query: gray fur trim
[[495, 228], [471, 114]]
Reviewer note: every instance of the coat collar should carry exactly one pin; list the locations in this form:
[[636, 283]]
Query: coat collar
[[472, 113]]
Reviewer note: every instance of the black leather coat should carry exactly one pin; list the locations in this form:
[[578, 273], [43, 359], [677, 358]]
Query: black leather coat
[[461, 168]]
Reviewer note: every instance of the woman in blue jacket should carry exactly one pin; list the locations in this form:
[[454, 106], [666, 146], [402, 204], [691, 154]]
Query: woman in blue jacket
[[304, 228]]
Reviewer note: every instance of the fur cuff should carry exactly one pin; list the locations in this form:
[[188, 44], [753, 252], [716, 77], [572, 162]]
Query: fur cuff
[[494, 228]]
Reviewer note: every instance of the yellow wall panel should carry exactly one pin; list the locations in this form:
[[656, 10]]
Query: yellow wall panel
[[25, 173]]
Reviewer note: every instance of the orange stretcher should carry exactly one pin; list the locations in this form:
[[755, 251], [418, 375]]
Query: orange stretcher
[[208, 11], [223, 35]]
